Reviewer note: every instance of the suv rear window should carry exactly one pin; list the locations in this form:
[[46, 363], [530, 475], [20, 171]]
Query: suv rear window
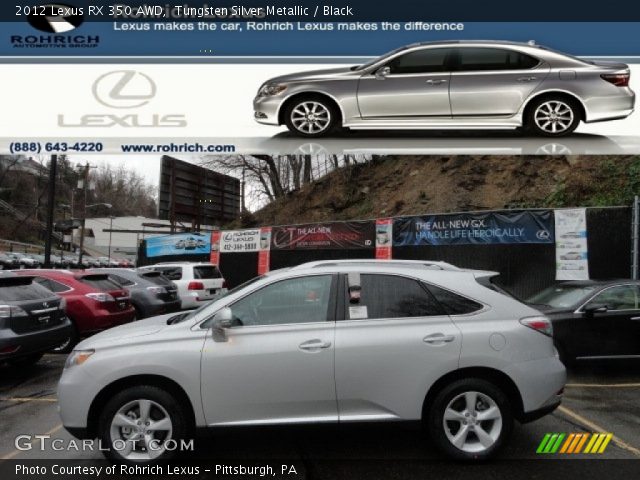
[[391, 296], [156, 277], [453, 303], [20, 292], [101, 283], [172, 273], [206, 272]]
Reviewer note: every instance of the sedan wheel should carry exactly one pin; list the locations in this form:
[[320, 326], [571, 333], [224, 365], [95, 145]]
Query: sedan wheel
[[553, 117], [311, 117]]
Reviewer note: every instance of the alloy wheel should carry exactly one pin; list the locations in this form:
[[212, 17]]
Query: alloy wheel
[[553, 116], [311, 117], [140, 429], [472, 422]]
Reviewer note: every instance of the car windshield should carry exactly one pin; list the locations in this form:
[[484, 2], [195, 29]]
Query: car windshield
[[193, 313], [562, 296], [370, 63]]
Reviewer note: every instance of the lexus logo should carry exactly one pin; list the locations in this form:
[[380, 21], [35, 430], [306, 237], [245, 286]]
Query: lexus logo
[[45, 304], [57, 18], [124, 89], [543, 235]]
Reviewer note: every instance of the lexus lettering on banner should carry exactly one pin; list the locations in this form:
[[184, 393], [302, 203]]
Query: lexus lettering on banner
[[475, 228], [240, 241], [335, 235]]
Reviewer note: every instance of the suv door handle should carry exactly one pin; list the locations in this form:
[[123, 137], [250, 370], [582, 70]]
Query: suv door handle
[[438, 339], [314, 345], [526, 79], [436, 82]]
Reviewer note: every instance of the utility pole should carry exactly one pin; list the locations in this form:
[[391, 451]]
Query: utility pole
[[635, 238], [50, 210], [85, 176]]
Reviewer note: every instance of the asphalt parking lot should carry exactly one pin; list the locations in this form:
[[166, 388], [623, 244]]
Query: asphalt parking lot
[[603, 398]]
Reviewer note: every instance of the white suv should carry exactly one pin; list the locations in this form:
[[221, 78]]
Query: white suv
[[330, 341], [197, 282]]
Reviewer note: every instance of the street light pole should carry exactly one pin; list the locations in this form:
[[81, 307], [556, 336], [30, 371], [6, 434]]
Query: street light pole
[[110, 232]]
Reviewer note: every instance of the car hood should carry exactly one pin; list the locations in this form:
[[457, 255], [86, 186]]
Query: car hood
[[131, 330], [325, 74]]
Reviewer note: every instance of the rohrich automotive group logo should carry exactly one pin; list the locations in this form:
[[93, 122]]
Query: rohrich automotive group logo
[[124, 90], [574, 443], [56, 20]]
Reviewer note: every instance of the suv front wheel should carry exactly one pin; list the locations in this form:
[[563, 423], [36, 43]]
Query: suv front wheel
[[142, 425], [470, 419]]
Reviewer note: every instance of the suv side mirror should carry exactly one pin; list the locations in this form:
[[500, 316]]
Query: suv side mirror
[[383, 72], [222, 320], [591, 309]]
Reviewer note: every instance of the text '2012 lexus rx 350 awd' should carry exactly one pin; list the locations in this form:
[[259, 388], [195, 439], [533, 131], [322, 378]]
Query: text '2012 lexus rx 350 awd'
[[323, 342], [451, 85]]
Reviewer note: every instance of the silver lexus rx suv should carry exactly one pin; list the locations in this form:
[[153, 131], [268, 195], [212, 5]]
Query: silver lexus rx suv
[[327, 341], [451, 85]]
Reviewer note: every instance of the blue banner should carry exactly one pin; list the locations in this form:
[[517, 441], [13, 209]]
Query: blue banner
[[179, 244], [475, 228]]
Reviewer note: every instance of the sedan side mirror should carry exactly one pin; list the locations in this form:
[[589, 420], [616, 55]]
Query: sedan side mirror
[[383, 72], [221, 321], [592, 309]]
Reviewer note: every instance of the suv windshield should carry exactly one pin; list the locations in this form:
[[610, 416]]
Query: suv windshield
[[370, 63], [562, 296]]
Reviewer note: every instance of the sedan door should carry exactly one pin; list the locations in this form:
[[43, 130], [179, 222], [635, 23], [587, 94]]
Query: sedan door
[[277, 363], [493, 82], [393, 344], [415, 85], [616, 331]]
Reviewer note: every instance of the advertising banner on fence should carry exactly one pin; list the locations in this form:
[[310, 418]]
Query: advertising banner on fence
[[240, 241], [264, 254], [474, 228], [214, 256], [571, 244], [384, 237], [335, 235], [178, 244]]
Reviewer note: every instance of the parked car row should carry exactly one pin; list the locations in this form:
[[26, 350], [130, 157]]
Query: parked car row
[[17, 260]]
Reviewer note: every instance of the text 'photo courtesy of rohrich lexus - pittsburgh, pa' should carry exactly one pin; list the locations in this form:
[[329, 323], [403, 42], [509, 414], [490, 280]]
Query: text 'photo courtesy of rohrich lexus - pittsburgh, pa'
[[308, 344], [464, 85]]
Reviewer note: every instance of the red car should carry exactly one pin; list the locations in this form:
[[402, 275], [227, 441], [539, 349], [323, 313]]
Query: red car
[[94, 303]]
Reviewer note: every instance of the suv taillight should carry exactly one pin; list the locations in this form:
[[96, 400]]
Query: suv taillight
[[195, 286], [618, 79], [539, 324], [12, 311], [100, 297]]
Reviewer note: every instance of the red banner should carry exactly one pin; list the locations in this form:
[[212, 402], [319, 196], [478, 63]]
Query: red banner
[[214, 257], [334, 235], [384, 235], [264, 254]]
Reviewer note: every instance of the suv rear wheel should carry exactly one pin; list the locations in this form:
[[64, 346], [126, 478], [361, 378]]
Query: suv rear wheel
[[139, 422], [470, 419]]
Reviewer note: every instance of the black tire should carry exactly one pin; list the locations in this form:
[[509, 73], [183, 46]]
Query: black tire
[[25, 362], [332, 125], [436, 424], [179, 423], [71, 342], [534, 127], [139, 313]]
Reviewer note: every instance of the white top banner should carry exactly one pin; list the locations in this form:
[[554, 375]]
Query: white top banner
[[571, 244], [240, 241]]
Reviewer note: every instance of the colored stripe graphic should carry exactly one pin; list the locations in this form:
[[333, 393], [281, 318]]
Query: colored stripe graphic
[[573, 443]]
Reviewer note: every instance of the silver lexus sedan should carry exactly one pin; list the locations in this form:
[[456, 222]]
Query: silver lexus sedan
[[323, 342], [451, 85]]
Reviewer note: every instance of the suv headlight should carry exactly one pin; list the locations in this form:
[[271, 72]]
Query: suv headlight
[[78, 357], [270, 89]]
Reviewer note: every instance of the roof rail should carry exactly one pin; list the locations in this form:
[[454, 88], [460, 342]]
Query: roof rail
[[364, 261]]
